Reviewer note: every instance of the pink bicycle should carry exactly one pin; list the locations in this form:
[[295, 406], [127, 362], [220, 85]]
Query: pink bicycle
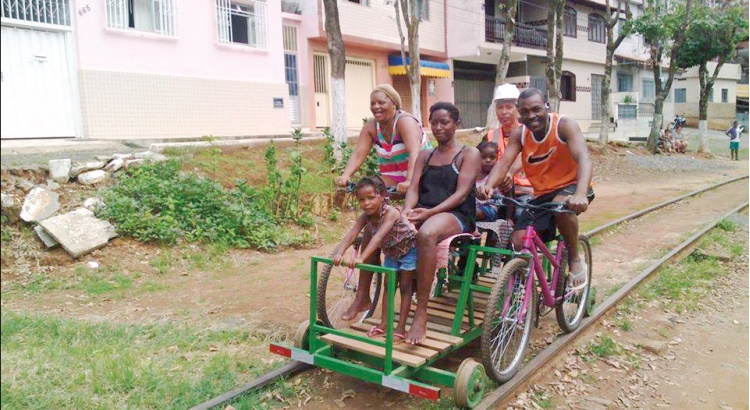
[[514, 305]]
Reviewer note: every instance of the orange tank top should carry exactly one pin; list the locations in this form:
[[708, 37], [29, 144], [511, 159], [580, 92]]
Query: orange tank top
[[498, 137], [548, 163]]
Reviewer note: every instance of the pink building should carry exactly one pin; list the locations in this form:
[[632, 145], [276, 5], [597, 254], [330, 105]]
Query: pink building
[[156, 69]]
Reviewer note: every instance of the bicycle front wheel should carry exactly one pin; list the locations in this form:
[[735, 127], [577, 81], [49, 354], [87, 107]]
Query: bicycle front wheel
[[507, 323], [573, 304], [337, 287]]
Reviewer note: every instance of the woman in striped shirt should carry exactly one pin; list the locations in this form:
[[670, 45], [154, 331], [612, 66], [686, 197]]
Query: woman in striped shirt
[[398, 138]]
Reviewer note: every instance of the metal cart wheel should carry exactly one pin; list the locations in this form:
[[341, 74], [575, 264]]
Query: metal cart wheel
[[301, 335], [470, 383]]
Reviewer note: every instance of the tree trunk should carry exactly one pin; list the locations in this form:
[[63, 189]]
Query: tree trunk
[[501, 71], [408, 9], [337, 53], [653, 136], [703, 109], [606, 81], [554, 52], [612, 45]]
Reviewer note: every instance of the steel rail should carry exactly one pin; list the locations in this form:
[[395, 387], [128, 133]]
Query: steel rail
[[561, 343], [296, 367]]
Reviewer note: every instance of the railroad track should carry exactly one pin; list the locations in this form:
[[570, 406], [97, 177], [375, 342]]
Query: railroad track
[[543, 357]]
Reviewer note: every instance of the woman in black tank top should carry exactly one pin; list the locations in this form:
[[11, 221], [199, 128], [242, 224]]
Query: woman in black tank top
[[440, 201]]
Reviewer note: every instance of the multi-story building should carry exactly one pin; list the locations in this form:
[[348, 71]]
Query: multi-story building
[[373, 56], [155, 69], [143, 69]]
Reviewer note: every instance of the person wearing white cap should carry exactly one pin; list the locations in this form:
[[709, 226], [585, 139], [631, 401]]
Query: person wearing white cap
[[506, 109]]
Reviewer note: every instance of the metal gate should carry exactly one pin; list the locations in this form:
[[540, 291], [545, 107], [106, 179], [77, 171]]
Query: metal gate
[[37, 93], [473, 97], [596, 96], [360, 80]]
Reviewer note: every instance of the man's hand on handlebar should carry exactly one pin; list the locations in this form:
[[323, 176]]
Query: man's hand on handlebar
[[577, 203]]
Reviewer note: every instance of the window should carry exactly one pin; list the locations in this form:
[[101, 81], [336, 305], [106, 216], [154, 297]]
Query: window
[[724, 95], [596, 28], [570, 21], [157, 16], [680, 95], [624, 82], [423, 8], [567, 86], [649, 92], [55, 12], [243, 23], [362, 2]]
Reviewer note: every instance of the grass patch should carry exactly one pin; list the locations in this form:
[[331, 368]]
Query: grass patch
[[604, 347], [61, 363]]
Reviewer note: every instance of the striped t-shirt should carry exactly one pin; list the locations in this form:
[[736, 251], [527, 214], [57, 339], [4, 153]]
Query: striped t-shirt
[[393, 158]]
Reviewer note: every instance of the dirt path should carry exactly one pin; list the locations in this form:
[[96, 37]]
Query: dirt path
[[694, 360], [269, 293]]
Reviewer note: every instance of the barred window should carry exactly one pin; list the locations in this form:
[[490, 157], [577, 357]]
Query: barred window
[[596, 28], [570, 18], [243, 23]]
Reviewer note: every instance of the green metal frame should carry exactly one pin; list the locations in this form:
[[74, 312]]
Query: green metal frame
[[326, 356]]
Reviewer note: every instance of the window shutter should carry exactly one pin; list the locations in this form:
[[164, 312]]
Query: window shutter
[[260, 23], [168, 18], [117, 14], [224, 20]]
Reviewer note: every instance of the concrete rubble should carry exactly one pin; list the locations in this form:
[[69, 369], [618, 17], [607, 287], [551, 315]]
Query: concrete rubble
[[39, 204], [79, 232]]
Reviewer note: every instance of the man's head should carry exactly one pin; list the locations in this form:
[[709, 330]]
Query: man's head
[[532, 107], [735, 124], [506, 100]]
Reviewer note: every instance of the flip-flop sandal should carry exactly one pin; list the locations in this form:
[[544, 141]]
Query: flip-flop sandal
[[581, 278], [375, 332], [398, 338]]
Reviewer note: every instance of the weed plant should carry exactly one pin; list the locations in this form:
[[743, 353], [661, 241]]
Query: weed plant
[[158, 203]]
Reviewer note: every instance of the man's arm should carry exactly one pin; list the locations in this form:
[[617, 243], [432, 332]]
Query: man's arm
[[571, 134]]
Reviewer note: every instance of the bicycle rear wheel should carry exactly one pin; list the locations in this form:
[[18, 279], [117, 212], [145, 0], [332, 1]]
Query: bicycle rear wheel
[[507, 326], [572, 308], [337, 287]]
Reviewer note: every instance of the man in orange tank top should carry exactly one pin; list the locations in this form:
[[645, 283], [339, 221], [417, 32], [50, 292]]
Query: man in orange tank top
[[557, 164]]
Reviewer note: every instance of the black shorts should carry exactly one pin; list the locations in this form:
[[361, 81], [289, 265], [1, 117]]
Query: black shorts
[[544, 222]]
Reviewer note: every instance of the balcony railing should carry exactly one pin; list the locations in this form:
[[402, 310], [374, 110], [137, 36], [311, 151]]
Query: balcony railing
[[523, 35]]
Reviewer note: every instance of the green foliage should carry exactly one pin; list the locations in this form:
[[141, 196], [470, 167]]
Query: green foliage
[[157, 202], [54, 363], [369, 168], [726, 225], [713, 32], [604, 346]]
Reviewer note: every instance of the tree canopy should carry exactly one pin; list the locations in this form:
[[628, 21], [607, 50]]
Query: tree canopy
[[713, 33]]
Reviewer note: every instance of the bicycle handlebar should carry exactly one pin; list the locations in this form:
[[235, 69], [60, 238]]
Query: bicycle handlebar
[[556, 207]]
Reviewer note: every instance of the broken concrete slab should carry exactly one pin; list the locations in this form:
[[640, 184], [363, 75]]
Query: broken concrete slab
[[48, 241], [82, 212], [115, 165], [106, 158], [134, 163], [39, 204], [150, 155], [92, 177], [122, 156], [79, 234], [52, 185], [81, 167], [59, 170]]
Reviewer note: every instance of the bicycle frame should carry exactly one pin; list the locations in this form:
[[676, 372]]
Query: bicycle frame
[[531, 244]]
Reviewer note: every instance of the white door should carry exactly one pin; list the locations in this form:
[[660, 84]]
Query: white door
[[360, 80], [322, 104], [37, 97]]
